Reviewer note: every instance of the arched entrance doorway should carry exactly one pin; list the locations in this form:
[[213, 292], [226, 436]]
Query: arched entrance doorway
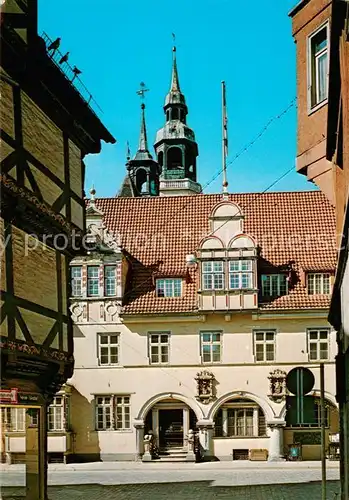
[[170, 420]]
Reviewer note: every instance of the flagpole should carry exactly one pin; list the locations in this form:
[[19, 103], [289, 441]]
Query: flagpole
[[224, 141]]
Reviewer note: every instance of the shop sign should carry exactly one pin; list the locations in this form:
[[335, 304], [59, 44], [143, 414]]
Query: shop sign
[[9, 396]]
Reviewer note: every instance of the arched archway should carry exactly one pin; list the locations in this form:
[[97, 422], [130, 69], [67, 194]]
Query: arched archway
[[169, 416], [170, 395], [262, 403], [328, 396]]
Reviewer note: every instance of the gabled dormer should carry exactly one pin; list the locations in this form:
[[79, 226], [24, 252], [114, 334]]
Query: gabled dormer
[[228, 262], [98, 274]]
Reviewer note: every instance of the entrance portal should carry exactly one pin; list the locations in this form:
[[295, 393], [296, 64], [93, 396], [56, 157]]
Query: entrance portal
[[170, 428]]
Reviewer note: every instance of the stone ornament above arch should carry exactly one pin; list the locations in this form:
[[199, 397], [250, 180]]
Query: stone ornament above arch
[[226, 209], [170, 395], [262, 403]]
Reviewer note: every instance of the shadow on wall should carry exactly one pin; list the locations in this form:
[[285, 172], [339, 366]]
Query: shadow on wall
[[86, 442]]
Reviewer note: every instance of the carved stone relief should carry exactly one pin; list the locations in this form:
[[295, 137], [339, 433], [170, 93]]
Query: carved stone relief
[[205, 386], [277, 385]]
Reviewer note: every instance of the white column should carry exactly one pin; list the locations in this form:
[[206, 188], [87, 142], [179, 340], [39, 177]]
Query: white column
[[276, 441], [206, 436], [255, 421], [225, 421], [139, 426]]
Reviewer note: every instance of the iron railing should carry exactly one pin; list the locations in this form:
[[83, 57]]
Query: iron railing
[[71, 76]]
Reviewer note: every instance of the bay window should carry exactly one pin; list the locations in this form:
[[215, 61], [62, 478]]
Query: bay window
[[240, 274], [213, 275]]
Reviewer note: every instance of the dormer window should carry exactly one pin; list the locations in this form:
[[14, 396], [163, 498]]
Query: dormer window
[[76, 281], [169, 287], [213, 275], [109, 281], [319, 283], [240, 274], [92, 281], [274, 285]]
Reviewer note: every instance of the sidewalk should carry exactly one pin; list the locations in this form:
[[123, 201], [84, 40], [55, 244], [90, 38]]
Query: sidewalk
[[224, 465]]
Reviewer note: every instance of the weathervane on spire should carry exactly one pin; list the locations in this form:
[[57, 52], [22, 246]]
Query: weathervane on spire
[[174, 41], [141, 92]]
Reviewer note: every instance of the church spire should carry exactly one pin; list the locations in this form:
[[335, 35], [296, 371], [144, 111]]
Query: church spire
[[143, 151], [143, 142], [175, 80]]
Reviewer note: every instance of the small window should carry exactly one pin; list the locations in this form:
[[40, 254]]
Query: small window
[[318, 66], [318, 344], [159, 347], [109, 281], [92, 281], [213, 275], [319, 283], [55, 420], [113, 412], [108, 349], [264, 345], [104, 408], [211, 347], [76, 281], [240, 274], [123, 417], [13, 419], [274, 285], [169, 287]]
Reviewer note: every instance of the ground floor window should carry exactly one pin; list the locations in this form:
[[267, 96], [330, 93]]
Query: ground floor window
[[240, 418], [311, 412], [113, 412]]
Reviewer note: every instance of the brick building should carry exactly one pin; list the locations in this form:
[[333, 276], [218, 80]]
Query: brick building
[[47, 128], [320, 29]]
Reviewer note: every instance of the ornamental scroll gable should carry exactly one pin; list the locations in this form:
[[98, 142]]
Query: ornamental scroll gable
[[277, 385], [205, 386]]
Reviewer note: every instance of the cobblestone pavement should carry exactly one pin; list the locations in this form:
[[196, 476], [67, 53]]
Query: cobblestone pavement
[[199, 490]]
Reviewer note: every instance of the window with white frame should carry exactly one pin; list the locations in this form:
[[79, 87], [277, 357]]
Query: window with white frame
[[104, 409], [109, 281], [319, 283], [92, 281], [274, 285], [169, 287], [76, 281], [55, 416], [240, 274], [213, 275], [240, 419], [318, 66], [264, 345], [108, 348], [318, 344], [13, 419], [211, 347], [113, 412], [159, 348], [123, 409]]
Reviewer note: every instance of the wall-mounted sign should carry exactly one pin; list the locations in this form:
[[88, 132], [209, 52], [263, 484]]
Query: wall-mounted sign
[[9, 396]]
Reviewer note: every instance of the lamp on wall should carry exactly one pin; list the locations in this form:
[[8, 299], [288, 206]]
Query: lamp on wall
[[191, 261]]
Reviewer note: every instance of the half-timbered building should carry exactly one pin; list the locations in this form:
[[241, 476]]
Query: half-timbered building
[[47, 128]]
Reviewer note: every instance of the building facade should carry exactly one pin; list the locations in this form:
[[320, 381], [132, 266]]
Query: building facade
[[47, 127], [188, 315], [320, 29]]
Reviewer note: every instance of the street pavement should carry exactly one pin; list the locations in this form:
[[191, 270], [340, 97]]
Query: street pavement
[[152, 481]]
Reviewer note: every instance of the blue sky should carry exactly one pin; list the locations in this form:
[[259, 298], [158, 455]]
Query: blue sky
[[119, 43]]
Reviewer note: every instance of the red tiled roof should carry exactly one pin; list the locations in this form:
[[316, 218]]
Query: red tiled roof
[[290, 228]]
